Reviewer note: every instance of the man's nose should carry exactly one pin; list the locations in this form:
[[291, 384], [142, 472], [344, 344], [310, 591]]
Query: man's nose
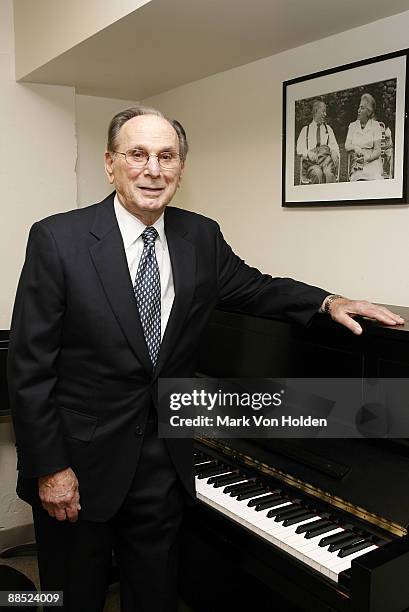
[[152, 166]]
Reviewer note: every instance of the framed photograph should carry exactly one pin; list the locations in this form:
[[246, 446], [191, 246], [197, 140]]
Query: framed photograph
[[344, 135]]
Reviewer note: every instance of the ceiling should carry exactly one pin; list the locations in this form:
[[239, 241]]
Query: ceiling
[[168, 43]]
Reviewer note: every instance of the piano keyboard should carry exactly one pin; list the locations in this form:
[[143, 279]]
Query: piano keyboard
[[276, 515]]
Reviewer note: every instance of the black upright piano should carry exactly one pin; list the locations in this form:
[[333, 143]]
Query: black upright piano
[[334, 512]]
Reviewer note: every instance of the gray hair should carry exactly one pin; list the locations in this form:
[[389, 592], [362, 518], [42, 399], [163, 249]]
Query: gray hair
[[370, 101], [316, 104], [136, 111]]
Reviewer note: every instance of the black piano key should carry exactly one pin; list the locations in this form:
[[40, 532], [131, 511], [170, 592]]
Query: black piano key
[[249, 489], [298, 519], [229, 481], [201, 463], [212, 472], [317, 523], [211, 464], [220, 481], [349, 540], [197, 454], [271, 497], [353, 548], [239, 487], [335, 538], [270, 504], [250, 494], [316, 531], [273, 513], [229, 472], [288, 512]]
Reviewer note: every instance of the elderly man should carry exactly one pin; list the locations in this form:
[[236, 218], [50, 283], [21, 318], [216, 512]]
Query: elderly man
[[110, 298], [318, 148]]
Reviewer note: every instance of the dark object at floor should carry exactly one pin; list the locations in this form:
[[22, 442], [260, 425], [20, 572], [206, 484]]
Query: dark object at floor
[[13, 580]]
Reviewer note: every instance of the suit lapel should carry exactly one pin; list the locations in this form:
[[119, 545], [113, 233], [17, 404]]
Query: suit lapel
[[110, 262], [183, 260]]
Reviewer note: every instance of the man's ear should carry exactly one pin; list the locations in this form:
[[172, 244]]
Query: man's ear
[[182, 167], [109, 162]]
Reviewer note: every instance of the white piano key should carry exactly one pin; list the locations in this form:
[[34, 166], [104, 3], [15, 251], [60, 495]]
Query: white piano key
[[342, 560], [336, 560], [296, 545], [223, 500], [197, 479], [305, 549], [291, 530], [315, 555], [334, 569], [210, 490], [226, 498], [299, 539], [242, 509], [305, 544], [270, 525]]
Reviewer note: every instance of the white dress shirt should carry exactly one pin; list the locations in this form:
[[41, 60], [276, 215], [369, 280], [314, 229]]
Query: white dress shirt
[[307, 139], [131, 229]]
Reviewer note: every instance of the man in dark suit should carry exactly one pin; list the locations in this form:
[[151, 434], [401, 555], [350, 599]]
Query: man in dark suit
[[110, 298]]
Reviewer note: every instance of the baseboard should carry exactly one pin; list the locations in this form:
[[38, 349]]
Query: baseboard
[[16, 536]]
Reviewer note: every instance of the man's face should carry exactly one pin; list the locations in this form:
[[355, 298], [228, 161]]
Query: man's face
[[146, 191], [320, 113]]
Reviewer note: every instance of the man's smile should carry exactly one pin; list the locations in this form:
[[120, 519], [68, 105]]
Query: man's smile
[[151, 190]]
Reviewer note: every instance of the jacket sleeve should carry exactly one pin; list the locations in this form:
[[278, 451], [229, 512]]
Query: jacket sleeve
[[32, 357], [245, 289]]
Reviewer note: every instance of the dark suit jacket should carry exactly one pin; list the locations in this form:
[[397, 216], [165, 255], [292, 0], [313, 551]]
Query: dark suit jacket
[[80, 377]]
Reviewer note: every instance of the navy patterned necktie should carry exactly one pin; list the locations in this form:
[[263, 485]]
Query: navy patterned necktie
[[147, 293]]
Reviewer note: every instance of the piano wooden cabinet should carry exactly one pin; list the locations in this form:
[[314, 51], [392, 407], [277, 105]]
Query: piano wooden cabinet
[[230, 560]]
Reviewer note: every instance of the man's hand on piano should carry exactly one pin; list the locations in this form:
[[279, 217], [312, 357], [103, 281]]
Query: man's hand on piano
[[343, 310]]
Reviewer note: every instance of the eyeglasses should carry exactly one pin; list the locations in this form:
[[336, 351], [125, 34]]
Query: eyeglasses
[[138, 158]]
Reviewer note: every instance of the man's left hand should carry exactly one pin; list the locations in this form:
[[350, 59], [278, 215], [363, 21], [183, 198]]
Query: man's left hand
[[335, 156], [342, 310]]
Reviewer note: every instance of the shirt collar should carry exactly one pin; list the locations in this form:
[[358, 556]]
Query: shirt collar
[[367, 126], [131, 227]]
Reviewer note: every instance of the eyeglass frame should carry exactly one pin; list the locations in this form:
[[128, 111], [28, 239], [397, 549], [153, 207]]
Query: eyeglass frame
[[177, 155]]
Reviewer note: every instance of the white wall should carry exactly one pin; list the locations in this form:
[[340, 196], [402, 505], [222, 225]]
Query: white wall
[[37, 172], [59, 25], [92, 119], [360, 252]]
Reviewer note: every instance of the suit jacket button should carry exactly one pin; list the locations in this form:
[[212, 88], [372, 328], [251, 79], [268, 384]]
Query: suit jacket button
[[138, 431]]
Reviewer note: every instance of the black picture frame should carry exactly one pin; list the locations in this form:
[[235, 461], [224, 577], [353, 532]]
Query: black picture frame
[[372, 163]]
